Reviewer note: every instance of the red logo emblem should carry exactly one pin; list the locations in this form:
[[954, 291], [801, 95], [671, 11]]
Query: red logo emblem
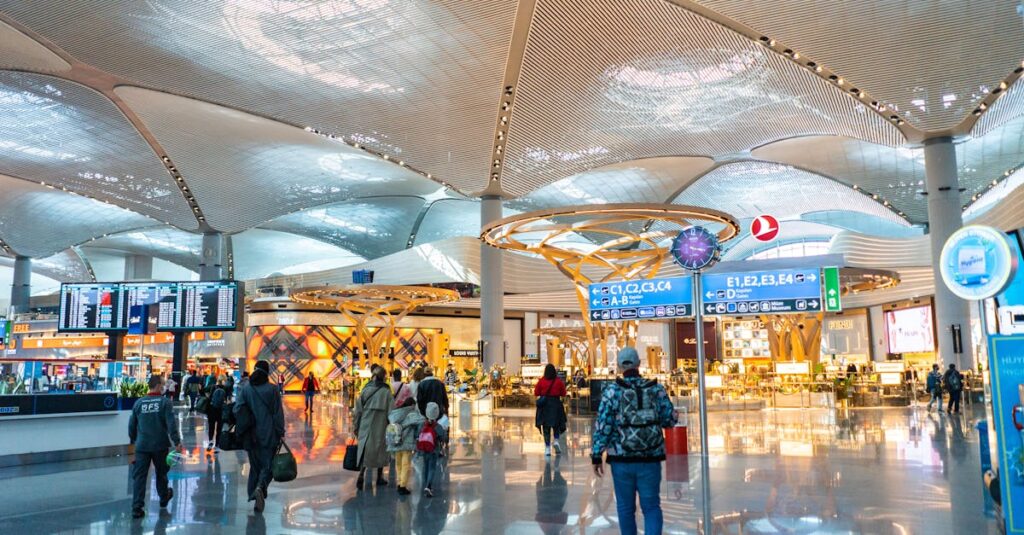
[[764, 228]]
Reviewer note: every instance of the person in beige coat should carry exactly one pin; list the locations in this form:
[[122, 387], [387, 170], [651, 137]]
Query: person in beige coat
[[371, 423]]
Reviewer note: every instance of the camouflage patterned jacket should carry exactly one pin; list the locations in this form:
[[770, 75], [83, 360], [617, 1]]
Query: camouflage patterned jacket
[[608, 425]]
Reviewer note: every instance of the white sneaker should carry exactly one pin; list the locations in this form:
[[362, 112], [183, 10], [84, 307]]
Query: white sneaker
[[547, 451], [558, 448]]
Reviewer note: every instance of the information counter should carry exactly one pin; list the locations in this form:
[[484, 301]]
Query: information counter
[[38, 428]]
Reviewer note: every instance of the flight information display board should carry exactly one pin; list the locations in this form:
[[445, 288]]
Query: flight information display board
[[183, 306], [207, 306], [642, 299], [164, 294], [89, 307], [762, 292]]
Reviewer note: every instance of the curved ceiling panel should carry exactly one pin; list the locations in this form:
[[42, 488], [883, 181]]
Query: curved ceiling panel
[[651, 180], [652, 79], [252, 260], [171, 244], [19, 51], [416, 80], [897, 174], [370, 228], [749, 189], [452, 218], [246, 170], [39, 221], [65, 266], [61, 133], [1009, 107], [789, 231], [931, 62]]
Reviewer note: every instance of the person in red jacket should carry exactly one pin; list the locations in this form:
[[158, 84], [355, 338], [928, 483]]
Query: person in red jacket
[[310, 387], [550, 411]]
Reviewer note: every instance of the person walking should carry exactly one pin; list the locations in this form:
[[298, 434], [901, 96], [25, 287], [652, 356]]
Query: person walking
[[370, 423], [405, 421], [214, 416], [550, 418], [229, 384], [630, 419], [417, 375], [310, 388], [396, 382], [431, 390], [954, 383], [171, 389], [429, 438], [934, 386], [260, 416], [193, 387], [153, 430]]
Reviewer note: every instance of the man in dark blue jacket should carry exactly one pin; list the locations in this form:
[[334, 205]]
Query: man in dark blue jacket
[[260, 416], [153, 429]]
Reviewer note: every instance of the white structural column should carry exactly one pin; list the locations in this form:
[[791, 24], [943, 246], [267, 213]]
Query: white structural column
[[944, 218], [492, 300], [213, 263], [138, 267], [21, 288]]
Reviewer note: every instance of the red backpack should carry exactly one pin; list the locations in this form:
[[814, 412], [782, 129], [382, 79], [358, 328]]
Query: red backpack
[[427, 440]]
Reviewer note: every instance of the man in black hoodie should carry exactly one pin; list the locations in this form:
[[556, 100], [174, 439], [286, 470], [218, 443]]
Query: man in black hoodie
[[260, 416]]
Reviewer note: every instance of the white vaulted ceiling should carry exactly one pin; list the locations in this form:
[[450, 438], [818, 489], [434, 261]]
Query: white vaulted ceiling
[[321, 133]]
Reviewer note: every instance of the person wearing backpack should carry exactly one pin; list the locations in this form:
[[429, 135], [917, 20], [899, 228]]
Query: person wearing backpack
[[259, 416], [153, 430], [428, 444], [550, 417], [214, 416], [954, 383], [193, 386], [934, 386], [629, 427], [405, 421], [370, 421]]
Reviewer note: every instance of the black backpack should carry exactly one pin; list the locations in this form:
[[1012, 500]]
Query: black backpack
[[639, 427]]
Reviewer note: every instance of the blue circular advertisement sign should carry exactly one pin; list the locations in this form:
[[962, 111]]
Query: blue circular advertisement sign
[[977, 262], [695, 248]]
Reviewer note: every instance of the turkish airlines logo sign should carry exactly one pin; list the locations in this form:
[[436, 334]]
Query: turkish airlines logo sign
[[764, 228]]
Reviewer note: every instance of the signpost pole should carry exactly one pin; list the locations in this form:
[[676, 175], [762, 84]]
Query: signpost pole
[[702, 395]]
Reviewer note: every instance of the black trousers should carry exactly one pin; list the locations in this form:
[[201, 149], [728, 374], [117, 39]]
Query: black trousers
[[954, 401], [213, 425], [260, 473], [140, 476]]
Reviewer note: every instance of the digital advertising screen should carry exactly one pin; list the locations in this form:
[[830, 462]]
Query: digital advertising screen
[[89, 307], [910, 330]]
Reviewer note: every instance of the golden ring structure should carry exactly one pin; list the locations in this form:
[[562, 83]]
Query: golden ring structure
[[601, 243], [383, 305]]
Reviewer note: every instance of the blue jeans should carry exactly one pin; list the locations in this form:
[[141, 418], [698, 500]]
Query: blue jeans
[[429, 469], [309, 400], [630, 479]]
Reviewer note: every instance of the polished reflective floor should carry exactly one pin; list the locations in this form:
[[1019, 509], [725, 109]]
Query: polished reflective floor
[[876, 471]]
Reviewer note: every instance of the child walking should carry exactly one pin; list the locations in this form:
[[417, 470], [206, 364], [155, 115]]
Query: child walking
[[428, 441], [403, 428]]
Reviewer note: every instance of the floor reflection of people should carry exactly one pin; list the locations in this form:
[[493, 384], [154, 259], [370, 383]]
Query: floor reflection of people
[[431, 515], [552, 492], [208, 499]]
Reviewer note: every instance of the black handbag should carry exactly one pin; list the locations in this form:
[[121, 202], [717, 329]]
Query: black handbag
[[229, 439], [283, 467], [351, 461]]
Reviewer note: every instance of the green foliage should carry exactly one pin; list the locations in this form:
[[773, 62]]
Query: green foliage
[[133, 389]]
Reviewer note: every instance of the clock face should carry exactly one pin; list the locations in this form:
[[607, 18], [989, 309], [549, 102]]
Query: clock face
[[695, 248]]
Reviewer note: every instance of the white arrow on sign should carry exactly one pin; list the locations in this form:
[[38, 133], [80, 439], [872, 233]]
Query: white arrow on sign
[[710, 308], [812, 277], [594, 302], [814, 304], [831, 292], [709, 295]]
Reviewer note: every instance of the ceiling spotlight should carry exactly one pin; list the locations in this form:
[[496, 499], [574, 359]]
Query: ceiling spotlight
[[796, 55], [401, 162], [900, 122], [771, 42], [817, 68], [763, 39], [385, 156]]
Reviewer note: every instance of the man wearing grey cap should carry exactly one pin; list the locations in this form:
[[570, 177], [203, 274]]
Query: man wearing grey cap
[[628, 427]]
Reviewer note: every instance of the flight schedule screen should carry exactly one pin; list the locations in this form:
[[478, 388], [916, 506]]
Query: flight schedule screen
[[183, 306], [207, 306], [89, 307]]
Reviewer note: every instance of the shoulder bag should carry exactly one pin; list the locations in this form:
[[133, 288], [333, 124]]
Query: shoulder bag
[[283, 466], [542, 400]]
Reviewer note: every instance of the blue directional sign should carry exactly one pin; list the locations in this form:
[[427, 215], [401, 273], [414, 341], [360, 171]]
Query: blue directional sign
[[762, 292], [642, 299]]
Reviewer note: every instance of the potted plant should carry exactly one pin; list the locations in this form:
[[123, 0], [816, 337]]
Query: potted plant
[[129, 393]]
